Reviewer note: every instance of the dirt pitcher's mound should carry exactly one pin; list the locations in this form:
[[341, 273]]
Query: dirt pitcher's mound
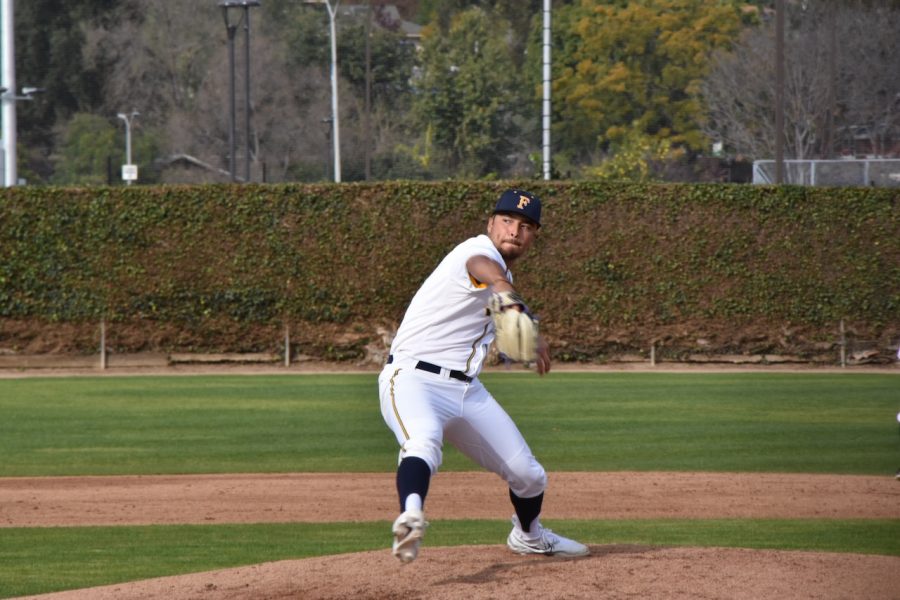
[[482, 572], [492, 572]]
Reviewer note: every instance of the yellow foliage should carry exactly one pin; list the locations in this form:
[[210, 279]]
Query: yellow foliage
[[629, 160], [637, 62], [421, 151]]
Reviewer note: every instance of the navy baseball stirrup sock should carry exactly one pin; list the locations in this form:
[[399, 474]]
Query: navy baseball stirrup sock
[[413, 477], [527, 509]]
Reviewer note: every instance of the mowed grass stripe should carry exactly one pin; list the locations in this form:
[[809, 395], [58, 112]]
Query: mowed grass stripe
[[757, 422], [41, 560]]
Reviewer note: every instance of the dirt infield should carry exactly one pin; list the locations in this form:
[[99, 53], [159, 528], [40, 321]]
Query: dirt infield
[[324, 497], [482, 572]]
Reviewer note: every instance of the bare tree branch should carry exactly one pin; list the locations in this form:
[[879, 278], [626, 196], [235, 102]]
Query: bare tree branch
[[864, 86]]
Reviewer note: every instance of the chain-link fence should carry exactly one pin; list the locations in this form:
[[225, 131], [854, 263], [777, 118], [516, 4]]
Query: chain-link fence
[[875, 172]]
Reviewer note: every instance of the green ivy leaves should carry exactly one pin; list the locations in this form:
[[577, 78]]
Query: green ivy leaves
[[619, 254]]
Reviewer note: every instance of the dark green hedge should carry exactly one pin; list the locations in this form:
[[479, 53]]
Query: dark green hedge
[[611, 258]]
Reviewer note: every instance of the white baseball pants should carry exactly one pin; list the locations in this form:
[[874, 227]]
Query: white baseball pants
[[423, 409]]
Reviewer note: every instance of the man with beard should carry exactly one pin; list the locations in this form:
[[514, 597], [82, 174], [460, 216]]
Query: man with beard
[[430, 391]]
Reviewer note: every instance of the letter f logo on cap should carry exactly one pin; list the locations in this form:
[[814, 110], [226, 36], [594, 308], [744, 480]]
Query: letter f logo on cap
[[520, 202]]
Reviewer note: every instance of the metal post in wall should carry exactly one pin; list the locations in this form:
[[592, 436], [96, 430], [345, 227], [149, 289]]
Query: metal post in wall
[[843, 344], [103, 344]]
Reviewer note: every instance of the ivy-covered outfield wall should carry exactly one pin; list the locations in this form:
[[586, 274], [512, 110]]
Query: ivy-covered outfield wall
[[617, 268]]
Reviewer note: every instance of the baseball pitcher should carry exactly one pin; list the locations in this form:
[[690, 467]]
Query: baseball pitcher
[[430, 390]]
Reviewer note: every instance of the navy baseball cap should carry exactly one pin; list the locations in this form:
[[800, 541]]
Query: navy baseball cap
[[522, 203]]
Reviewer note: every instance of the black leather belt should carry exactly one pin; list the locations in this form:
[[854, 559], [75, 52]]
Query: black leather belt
[[427, 366]]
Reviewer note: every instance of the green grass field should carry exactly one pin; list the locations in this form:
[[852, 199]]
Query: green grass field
[[752, 422]]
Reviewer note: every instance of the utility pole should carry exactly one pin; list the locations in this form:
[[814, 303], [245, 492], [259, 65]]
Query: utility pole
[[545, 110], [231, 30], [368, 112], [779, 92], [8, 81]]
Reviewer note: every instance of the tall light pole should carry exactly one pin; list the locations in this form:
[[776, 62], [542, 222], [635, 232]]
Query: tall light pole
[[779, 92], [9, 99], [129, 171], [335, 121], [8, 80], [545, 109], [367, 125], [231, 29]]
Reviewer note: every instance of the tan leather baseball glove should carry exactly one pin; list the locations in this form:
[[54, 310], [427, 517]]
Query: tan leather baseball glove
[[516, 330]]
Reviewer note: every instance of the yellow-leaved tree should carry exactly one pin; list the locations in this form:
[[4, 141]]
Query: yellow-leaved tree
[[627, 74]]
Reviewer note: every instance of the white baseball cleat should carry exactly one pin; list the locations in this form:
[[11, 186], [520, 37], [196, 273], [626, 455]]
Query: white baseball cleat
[[409, 529], [546, 542]]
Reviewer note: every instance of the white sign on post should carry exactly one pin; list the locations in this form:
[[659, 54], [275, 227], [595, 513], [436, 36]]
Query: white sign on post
[[129, 172]]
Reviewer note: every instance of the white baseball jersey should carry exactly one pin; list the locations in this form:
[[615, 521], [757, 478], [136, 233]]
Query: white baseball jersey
[[447, 322], [447, 325]]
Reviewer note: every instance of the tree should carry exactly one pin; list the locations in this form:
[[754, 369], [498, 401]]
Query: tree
[[92, 150], [88, 145], [390, 58], [833, 89], [287, 107], [49, 43], [869, 102], [467, 95], [304, 31], [518, 13], [170, 63], [634, 65], [632, 158], [392, 62], [158, 55]]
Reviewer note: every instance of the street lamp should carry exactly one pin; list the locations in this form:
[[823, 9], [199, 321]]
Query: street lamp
[[332, 13], [8, 98], [231, 29], [129, 170], [328, 122], [27, 94]]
